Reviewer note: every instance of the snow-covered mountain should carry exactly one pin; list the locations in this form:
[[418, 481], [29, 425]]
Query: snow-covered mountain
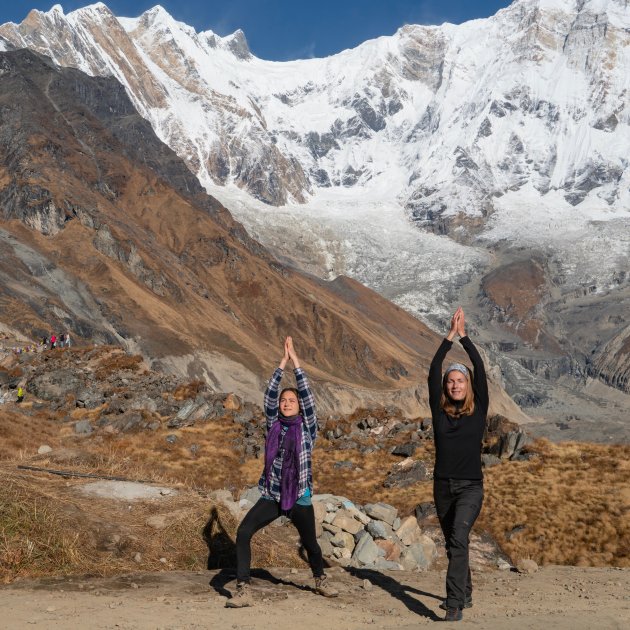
[[451, 118], [425, 164]]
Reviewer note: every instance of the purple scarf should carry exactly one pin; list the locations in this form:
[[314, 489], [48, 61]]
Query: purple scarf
[[292, 448]]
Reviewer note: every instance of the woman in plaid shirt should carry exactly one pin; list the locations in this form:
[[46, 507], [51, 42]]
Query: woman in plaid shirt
[[286, 483]]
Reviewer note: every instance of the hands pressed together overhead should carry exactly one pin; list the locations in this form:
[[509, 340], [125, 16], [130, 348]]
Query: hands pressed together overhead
[[289, 354], [458, 324]]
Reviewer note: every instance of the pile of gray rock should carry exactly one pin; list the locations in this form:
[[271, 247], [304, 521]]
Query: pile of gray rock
[[368, 536]]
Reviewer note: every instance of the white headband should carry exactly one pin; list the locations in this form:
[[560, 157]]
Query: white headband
[[457, 366]]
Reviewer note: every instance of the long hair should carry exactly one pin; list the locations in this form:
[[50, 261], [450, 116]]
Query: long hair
[[297, 395], [450, 407]]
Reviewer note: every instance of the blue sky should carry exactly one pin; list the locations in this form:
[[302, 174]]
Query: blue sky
[[290, 29]]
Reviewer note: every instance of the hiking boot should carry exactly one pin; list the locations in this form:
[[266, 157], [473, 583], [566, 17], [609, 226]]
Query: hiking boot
[[467, 604], [453, 614], [324, 587], [242, 598]]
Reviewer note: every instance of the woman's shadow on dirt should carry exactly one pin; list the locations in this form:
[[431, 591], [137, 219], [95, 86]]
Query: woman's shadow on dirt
[[402, 592], [221, 553], [222, 556]]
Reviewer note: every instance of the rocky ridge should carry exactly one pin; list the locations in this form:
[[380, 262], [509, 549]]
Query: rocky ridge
[[106, 233], [473, 149]]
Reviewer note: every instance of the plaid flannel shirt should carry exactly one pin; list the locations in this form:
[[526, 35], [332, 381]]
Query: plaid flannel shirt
[[309, 433]]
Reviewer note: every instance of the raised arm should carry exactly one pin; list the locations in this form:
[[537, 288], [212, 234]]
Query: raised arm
[[435, 376], [273, 387], [271, 397], [480, 381], [308, 402], [306, 396]]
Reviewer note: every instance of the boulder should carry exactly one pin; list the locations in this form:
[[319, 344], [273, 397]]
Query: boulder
[[404, 450], [413, 558], [221, 496], [334, 499], [356, 513], [162, 521], [409, 532], [510, 444], [391, 550], [403, 475], [231, 402], [43, 449], [244, 417], [83, 427], [186, 411], [320, 511], [379, 529], [381, 512], [344, 464], [325, 544], [343, 540], [345, 521], [366, 552], [333, 529], [487, 460], [526, 565], [250, 494], [430, 548], [341, 553]]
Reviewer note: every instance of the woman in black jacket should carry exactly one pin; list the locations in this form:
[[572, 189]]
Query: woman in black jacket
[[459, 406]]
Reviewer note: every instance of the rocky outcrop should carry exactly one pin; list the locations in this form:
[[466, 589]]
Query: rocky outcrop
[[612, 363]]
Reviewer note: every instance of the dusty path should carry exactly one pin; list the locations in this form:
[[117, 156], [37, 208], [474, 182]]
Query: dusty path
[[562, 598]]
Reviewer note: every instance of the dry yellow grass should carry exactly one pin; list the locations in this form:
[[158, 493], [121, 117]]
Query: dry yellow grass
[[21, 435], [48, 528], [115, 362], [570, 504]]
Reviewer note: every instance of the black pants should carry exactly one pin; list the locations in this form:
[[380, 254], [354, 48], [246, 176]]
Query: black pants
[[263, 513], [458, 503]]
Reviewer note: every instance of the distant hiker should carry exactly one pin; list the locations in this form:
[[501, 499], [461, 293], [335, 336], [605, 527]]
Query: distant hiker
[[286, 484], [67, 340], [20, 394], [459, 406], [44, 341], [53, 341], [61, 340]]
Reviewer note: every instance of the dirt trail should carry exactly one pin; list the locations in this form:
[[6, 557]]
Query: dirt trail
[[563, 598]]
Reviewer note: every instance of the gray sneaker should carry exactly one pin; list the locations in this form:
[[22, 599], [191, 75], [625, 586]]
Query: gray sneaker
[[242, 598], [324, 587]]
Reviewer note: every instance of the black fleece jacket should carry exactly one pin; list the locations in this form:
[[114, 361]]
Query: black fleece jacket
[[458, 440]]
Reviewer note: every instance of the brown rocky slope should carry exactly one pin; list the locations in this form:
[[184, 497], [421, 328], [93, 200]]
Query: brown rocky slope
[[106, 233]]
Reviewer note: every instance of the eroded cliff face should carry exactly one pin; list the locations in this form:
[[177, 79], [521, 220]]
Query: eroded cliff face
[[106, 233]]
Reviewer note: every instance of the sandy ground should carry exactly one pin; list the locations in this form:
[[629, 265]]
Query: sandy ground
[[554, 597]]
